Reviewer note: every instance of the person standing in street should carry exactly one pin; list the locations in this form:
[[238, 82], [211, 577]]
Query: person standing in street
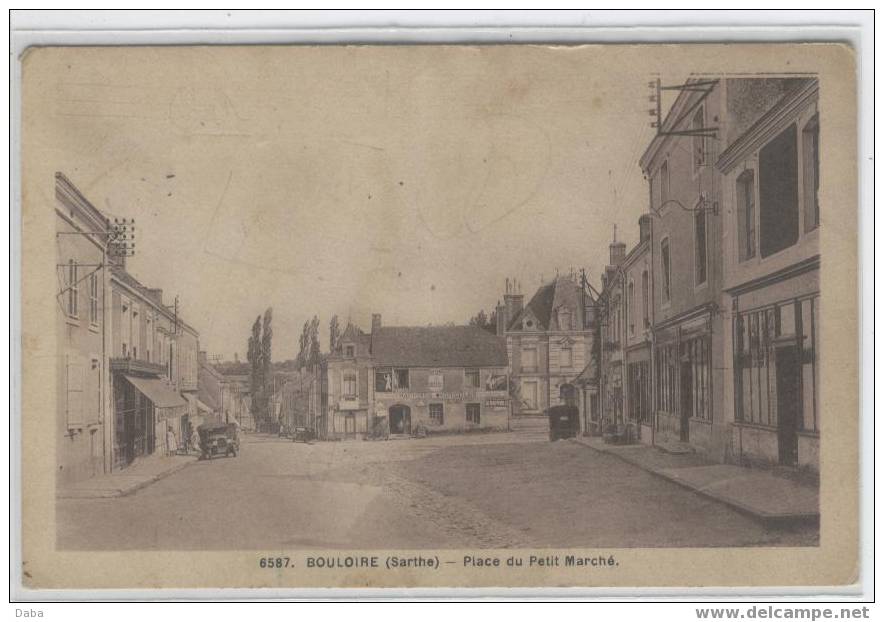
[[171, 442], [195, 440]]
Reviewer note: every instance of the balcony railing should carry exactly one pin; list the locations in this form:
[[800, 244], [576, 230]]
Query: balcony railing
[[136, 366]]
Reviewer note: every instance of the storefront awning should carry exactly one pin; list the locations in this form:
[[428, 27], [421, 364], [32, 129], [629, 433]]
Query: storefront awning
[[200, 405], [157, 391]]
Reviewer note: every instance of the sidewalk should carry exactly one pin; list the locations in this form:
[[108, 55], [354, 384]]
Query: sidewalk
[[766, 496], [139, 474]]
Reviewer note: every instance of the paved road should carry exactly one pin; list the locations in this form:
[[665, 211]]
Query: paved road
[[491, 490]]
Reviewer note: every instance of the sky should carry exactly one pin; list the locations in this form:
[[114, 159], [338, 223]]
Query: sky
[[405, 181]]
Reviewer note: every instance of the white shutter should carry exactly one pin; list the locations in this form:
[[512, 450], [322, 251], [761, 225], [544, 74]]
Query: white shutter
[[75, 382]]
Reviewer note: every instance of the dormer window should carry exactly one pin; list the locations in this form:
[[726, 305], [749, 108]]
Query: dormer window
[[349, 351]]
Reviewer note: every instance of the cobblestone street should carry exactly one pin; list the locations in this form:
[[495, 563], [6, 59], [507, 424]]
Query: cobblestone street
[[485, 491]]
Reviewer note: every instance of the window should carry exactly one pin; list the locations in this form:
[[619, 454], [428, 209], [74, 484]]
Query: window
[[664, 183], [350, 386], [529, 394], [529, 359], [564, 320], [700, 254], [630, 306], [778, 192], [383, 380], [667, 378], [473, 413], [350, 351], [759, 333], [666, 269], [696, 350], [810, 141], [698, 141], [639, 386], [125, 327], [566, 357], [646, 300], [401, 379], [471, 378], [73, 289], [93, 298], [746, 214], [437, 414], [136, 332]]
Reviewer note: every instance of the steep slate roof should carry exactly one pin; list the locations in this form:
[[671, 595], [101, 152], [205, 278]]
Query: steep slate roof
[[545, 300], [437, 346], [353, 334]]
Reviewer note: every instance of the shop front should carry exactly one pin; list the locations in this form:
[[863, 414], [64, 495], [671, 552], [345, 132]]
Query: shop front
[[776, 374], [144, 408]]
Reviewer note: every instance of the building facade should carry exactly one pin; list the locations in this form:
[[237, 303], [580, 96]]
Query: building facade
[[549, 343], [82, 329], [636, 333], [410, 379], [154, 359], [771, 215], [684, 200]]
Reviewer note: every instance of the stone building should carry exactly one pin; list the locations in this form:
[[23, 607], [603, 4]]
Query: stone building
[[684, 200], [410, 378], [451, 378], [549, 342], [83, 430], [154, 360], [636, 333], [771, 218], [611, 319]]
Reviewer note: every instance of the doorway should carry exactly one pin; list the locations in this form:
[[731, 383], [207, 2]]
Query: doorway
[[350, 425], [788, 403], [687, 402], [400, 419]]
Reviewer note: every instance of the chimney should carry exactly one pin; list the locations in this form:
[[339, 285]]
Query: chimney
[[644, 227], [236, 357], [375, 322], [502, 321], [618, 252], [513, 300]]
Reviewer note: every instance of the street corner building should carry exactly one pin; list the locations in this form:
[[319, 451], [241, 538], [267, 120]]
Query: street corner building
[[406, 380], [550, 344], [128, 364], [715, 312]]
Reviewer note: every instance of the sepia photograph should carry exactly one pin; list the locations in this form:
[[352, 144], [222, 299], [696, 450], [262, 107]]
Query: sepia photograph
[[408, 315]]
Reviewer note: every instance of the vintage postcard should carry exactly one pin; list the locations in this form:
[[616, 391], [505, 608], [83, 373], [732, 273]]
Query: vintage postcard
[[439, 316]]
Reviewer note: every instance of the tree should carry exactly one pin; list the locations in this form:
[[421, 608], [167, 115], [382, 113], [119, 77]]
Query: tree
[[485, 321], [480, 319], [314, 352], [303, 346], [255, 367], [266, 350], [334, 333]]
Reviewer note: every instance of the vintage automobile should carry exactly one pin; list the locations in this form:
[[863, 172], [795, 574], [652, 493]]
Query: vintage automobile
[[221, 439], [564, 422], [303, 435]]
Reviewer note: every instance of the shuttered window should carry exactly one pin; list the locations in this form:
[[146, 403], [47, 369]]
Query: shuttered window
[[74, 380]]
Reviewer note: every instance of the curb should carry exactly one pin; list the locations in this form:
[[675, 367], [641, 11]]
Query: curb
[[129, 490], [764, 517]]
